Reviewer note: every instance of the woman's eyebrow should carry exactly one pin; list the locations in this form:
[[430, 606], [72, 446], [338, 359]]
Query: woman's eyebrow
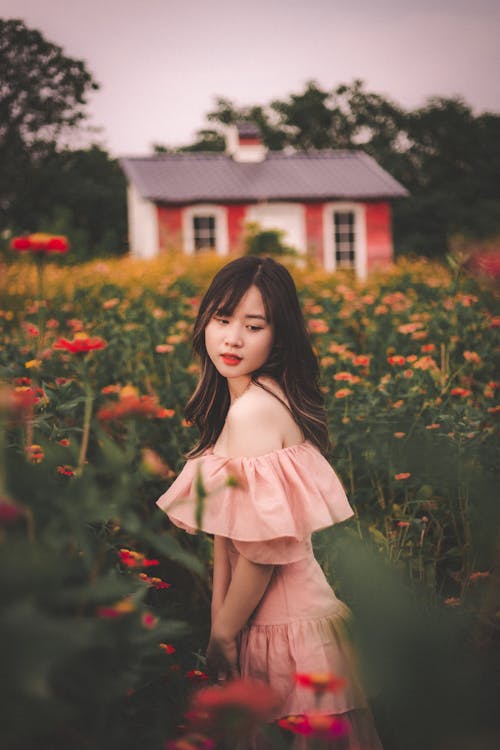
[[260, 317]]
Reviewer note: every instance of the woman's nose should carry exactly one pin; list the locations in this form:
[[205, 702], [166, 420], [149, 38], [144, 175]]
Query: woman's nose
[[233, 336]]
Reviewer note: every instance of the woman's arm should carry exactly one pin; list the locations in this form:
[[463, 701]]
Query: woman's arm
[[248, 583], [221, 574], [245, 591]]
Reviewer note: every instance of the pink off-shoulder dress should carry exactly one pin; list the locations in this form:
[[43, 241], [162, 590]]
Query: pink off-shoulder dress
[[268, 513]]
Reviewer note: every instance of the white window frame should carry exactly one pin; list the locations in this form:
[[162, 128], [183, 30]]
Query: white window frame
[[360, 254], [221, 230]]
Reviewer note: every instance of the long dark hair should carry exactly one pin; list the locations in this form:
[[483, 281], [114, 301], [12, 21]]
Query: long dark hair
[[291, 363]]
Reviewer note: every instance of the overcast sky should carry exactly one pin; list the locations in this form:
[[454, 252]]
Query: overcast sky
[[161, 63]]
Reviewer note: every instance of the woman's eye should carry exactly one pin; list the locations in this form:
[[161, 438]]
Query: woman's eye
[[255, 328], [221, 320]]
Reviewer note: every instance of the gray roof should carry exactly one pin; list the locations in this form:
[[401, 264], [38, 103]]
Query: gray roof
[[312, 175]]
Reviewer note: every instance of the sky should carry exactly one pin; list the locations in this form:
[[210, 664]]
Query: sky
[[161, 63]]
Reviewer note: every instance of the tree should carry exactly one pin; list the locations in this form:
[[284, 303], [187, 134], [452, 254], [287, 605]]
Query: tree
[[43, 94]]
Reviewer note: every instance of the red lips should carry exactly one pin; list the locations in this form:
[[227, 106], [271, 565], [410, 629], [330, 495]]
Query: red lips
[[230, 359]]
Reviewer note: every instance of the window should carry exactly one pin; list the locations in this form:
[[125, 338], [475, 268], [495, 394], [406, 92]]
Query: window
[[344, 238], [204, 232]]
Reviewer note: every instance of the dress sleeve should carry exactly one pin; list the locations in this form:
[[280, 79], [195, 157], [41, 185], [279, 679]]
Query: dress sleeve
[[267, 505]]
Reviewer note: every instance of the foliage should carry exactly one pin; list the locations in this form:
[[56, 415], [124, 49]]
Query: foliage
[[266, 242], [43, 93], [79, 193], [408, 363]]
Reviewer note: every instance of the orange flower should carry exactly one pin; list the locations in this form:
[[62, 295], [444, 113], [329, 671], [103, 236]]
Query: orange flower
[[479, 575], [156, 583], [343, 393], [427, 348], [433, 426], [321, 682], [397, 359], [408, 373], [472, 357], [123, 607], [463, 392], [133, 406], [164, 348], [81, 344], [191, 741], [346, 376], [361, 360], [35, 454], [318, 325], [64, 442], [409, 327], [110, 303], [399, 434], [403, 475]]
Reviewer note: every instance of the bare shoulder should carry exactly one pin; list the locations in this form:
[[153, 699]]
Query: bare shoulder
[[259, 423]]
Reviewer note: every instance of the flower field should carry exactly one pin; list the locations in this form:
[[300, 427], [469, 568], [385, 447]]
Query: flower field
[[106, 607]]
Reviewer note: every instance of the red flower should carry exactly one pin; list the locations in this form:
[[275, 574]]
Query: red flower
[[321, 682], [40, 242], [196, 675], [168, 648], [403, 475], [156, 583], [315, 724], [133, 559], [81, 344], [148, 620], [20, 243], [66, 471], [460, 392], [397, 359], [237, 706]]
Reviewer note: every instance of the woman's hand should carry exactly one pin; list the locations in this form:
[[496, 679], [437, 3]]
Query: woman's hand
[[222, 658]]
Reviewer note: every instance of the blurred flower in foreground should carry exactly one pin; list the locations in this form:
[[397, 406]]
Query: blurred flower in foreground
[[234, 708], [81, 344], [320, 682], [40, 242], [133, 559], [316, 724], [190, 742]]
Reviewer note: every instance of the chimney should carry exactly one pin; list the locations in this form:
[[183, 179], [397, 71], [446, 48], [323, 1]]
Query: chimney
[[244, 142]]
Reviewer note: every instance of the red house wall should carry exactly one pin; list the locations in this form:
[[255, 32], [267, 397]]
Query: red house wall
[[314, 230], [379, 249], [235, 226], [170, 228]]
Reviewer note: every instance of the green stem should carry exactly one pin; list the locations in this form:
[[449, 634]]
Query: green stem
[[87, 414], [41, 305]]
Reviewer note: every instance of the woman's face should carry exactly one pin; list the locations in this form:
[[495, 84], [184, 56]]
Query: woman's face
[[240, 343]]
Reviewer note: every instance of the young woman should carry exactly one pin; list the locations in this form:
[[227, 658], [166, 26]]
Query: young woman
[[261, 454]]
